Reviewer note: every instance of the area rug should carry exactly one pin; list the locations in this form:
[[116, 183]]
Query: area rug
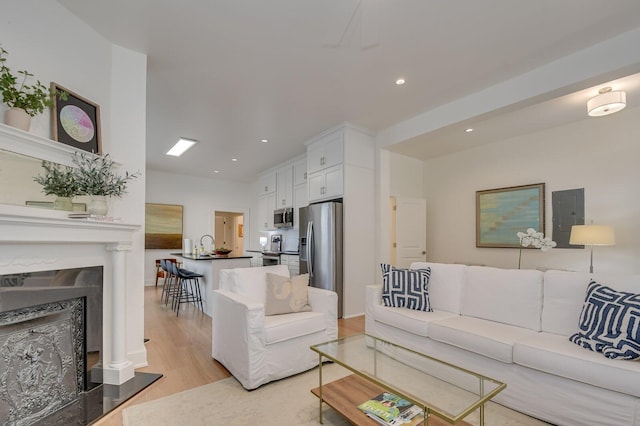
[[285, 402]]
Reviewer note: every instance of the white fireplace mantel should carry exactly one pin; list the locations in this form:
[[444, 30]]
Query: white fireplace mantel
[[50, 228], [20, 224]]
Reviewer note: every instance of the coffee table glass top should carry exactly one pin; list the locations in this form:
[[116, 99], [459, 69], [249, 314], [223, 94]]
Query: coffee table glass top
[[441, 388]]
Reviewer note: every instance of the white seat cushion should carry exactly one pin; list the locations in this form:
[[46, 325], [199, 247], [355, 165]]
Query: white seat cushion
[[278, 328], [488, 338], [416, 322], [556, 355]]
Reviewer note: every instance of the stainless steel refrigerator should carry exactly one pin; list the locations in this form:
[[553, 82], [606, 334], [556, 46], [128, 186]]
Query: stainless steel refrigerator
[[321, 246]]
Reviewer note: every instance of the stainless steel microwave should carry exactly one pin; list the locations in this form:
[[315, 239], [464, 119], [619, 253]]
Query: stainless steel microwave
[[283, 218]]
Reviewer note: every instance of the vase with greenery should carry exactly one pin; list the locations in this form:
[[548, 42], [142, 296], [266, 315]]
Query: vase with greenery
[[97, 178], [60, 181], [24, 98]]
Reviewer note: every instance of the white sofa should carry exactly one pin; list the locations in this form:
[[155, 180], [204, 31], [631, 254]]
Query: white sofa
[[257, 349], [513, 325]]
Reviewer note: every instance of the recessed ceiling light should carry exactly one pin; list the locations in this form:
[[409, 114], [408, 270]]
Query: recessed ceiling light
[[469, 130], [216, 171], [181, 147], [264, 140], [234, 159], [400, 81]]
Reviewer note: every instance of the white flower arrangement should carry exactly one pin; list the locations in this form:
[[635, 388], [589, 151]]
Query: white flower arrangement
[[533, 238]]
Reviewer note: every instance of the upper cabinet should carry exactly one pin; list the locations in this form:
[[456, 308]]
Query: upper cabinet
[[300, 172], [284, 187], [333, 152], [267, 184], [325, 152]]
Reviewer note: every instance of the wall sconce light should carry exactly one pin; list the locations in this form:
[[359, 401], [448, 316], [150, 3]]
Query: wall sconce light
[[607, 102]]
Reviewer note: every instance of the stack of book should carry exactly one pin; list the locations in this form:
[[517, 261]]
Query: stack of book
[[89, 216], [391, 410]]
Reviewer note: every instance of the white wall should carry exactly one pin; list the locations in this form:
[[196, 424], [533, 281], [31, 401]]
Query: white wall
[[50, 42], [597, 154], [200, 199]]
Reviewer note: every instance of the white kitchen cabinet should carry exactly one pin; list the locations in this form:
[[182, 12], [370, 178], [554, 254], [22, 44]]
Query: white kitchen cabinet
[[266, 206], [325, 152], [293, 263], [326, 184], [284, 187], [267, 184], [299, 200], [300, 172]]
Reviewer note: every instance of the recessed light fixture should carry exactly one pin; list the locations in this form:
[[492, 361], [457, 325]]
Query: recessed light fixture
[[181, 147], [216, 171], [607, 102], [234, 159], [400, 81], [468, 130], [264, 140]]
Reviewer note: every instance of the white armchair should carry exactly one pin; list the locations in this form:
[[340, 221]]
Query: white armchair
[[257, 349]]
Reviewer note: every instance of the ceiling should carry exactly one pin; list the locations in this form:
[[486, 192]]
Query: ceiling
[[230, 73]]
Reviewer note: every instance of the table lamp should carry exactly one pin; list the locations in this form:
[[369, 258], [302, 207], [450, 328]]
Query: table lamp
[[592, 235]]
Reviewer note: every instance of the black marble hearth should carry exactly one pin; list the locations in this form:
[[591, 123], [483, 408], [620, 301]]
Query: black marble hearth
[[93, 405]]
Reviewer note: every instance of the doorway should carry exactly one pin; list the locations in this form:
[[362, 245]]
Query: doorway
[[229, 231]]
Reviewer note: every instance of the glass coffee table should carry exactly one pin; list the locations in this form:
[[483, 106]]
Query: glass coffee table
[[446, 393]]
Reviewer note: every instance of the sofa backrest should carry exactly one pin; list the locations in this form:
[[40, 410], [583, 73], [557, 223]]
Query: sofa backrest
[[250, 282], [508, 296], [445, 284], [564, 294]]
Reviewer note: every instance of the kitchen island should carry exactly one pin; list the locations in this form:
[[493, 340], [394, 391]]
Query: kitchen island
[[209, 266]]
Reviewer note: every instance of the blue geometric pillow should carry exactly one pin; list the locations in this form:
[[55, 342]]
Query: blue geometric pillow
[[610, 322], [404, 288]]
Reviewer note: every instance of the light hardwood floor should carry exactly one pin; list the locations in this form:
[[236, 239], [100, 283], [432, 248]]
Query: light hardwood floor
[[180, 349]]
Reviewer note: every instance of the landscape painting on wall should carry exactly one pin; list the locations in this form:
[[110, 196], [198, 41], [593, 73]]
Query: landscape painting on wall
[[163, 226], [502, 213]]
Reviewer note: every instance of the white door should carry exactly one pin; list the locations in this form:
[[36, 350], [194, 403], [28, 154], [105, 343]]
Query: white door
[[410, 231]]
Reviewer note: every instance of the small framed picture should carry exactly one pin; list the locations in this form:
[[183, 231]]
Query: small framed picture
[[76, 121]]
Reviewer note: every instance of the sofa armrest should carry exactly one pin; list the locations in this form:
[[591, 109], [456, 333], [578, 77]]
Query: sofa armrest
[[326, 301], [240, 347], [373, 297]]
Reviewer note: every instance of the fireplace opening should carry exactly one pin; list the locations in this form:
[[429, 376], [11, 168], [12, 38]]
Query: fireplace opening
[[51, 337]]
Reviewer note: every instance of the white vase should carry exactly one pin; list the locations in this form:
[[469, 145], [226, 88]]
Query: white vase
[[98, 205], [63, 203], [18, 118]]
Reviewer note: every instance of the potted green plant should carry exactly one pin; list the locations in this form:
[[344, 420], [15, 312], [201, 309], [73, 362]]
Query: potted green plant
[[24, 99], [60, 181], [97, 178]]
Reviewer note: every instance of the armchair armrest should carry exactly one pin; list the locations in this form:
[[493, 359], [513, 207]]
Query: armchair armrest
[[239, 348], [325, 301]]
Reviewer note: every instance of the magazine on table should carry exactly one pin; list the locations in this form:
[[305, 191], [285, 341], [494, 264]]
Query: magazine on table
[[391, 410]]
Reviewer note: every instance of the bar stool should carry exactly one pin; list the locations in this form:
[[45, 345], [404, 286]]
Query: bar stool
[[187, 288], [169, 283], [160, 273]]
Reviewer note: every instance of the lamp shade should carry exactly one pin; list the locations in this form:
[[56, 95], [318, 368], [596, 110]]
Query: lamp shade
[[592, 235], [607, 102]]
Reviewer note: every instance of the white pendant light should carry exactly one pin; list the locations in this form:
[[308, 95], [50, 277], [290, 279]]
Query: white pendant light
[[607, 102]]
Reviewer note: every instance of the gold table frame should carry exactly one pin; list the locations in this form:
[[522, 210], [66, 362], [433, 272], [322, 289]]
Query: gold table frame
[[337, 351]]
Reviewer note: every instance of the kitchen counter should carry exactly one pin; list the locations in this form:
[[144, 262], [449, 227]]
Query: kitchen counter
[[208, 256], [211, 271]]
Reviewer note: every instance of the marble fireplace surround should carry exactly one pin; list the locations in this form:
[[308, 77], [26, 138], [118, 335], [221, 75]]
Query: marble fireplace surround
[[41, 240]]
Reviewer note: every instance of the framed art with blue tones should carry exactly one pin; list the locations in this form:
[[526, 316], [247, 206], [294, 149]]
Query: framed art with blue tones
[[503, 212]]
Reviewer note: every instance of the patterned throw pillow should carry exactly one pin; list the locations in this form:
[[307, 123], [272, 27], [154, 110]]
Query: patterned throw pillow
[[610, 322], [405, 288], [286, 295]]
